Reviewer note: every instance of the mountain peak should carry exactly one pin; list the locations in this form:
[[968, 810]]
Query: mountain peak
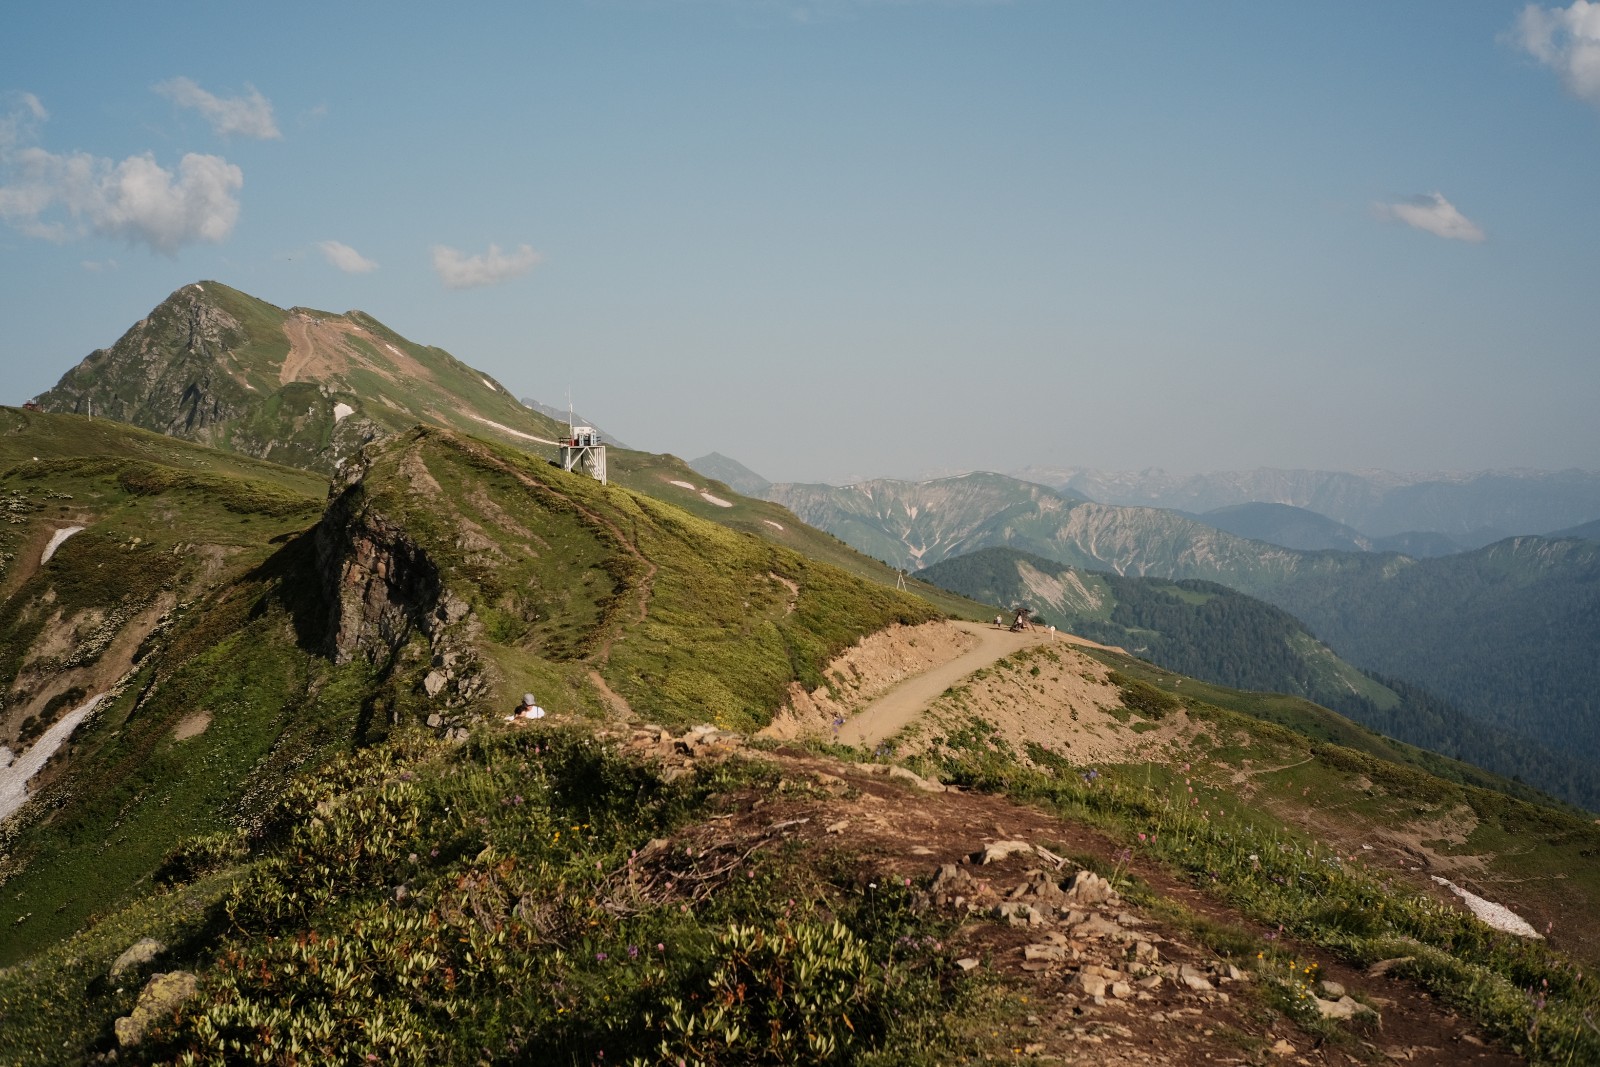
[[299, 386]]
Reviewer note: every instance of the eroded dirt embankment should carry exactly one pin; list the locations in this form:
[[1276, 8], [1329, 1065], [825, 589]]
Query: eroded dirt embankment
[[867, 670], [911, 684]]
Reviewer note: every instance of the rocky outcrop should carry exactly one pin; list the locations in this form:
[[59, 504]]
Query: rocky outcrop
[[382, 586], [384, 592], [165, 374]]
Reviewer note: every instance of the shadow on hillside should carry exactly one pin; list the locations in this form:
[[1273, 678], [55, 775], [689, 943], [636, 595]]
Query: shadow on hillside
[[293, 583]]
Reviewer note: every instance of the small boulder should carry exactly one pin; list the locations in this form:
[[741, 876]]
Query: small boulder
[[1092, 985], [1086, 887], [1343, 1008], [924, 784], [162, 996], [138, 954]]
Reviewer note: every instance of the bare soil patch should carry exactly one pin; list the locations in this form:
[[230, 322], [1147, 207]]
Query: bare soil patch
[[320, 349], [865, 671], [191, 726]]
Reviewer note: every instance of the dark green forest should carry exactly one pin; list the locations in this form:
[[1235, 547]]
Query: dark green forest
[[1508, 634]]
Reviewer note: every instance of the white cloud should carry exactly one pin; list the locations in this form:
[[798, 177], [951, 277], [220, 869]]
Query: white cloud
[[249, 116], [1431, 214], [98, 266], [346, 258], [137, 199], [460, 271], [62, 196], [1567, 40]]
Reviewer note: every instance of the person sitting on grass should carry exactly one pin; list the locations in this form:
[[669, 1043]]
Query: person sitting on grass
[[528, 709]]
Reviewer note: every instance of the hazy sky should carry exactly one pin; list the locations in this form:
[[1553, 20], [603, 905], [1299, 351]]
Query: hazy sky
[[843, 237]]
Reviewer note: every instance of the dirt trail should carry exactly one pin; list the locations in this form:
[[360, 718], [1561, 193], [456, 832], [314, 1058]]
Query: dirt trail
[[886, 716]]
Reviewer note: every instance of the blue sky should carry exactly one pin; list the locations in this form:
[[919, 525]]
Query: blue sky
[[839, 238]]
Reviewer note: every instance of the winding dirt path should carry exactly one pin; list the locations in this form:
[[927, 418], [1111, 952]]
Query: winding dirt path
[[886, 716]]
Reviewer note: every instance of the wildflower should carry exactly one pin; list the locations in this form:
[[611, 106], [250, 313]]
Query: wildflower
[[660, 947], [601, 956]]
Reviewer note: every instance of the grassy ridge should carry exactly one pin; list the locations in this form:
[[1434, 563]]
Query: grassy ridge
[[686, 619]]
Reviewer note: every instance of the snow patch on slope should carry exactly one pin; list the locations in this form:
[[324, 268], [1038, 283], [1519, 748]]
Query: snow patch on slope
[[15, 771], [56, 541], [1491, 914]]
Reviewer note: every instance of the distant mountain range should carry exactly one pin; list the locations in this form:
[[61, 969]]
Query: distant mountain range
[[1471, 508], [1506, 632], [1302, 528], [918, 524]]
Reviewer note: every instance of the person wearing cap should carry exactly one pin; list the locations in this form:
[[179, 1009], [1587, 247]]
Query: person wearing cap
[[528, 709]]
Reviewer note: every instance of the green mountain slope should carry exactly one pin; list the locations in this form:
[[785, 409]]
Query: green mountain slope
[[301, 387], [239, 625], [668, 478], [1507, 633], [298, 782], [309, 389]]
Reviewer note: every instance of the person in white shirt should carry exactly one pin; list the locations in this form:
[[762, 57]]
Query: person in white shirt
[[528, 709]]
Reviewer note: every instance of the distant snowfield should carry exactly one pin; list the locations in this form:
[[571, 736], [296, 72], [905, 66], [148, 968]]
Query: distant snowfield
[[15, 771], [684, 485], [717, 500], [506, 429], [1489, 913], [56, 541], [774, 525], [342, 411]]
